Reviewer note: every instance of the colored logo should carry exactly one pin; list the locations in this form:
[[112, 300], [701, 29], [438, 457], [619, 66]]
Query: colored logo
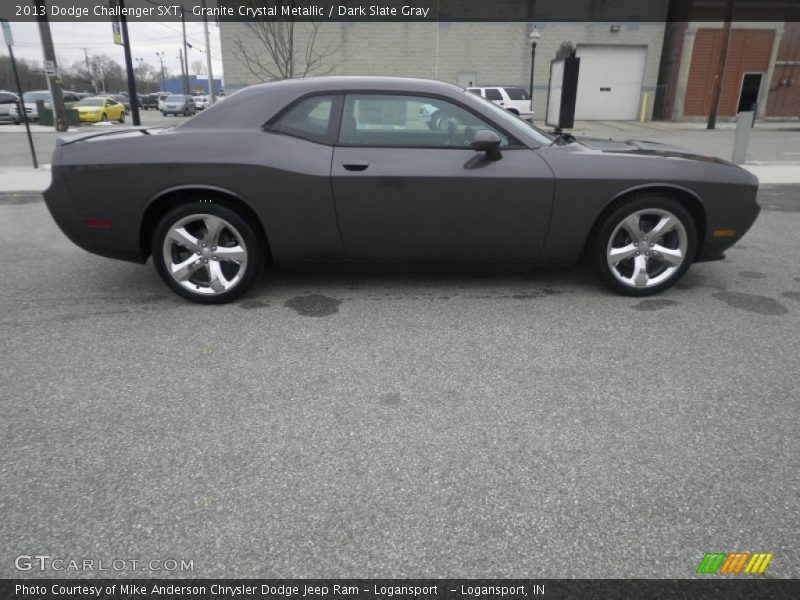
[[723, 563]]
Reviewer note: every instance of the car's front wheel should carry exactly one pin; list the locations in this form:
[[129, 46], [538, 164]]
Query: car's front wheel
[[645, 245], [207, 253]]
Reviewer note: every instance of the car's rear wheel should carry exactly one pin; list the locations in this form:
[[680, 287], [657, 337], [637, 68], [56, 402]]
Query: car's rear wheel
[[207, 253], [645, 245], [104, 117]]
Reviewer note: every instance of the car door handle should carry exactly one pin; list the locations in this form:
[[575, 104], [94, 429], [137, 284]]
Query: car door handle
[[356, 165]]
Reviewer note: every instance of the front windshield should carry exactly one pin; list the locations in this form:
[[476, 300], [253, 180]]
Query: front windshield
[[175, 99], [91, 102], [513, 123], [34, 96]]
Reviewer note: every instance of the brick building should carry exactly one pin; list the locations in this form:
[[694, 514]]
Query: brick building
[[762, 70]]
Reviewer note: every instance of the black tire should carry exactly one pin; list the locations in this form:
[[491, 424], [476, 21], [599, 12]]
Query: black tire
[[599, 243], [104, 117], [250, 239], [122, 118]]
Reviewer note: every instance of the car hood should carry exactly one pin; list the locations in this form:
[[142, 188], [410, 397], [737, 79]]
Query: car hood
[[646, 148]]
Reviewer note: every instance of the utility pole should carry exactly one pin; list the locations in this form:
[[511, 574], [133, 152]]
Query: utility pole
[[211, 92], [89, 70], [126, 44], [716, 86], [160, 56], [51, 68], [185, 65], [183, 73], [9, 39]]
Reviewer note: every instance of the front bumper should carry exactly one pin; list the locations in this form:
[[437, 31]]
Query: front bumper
[[728, 220]]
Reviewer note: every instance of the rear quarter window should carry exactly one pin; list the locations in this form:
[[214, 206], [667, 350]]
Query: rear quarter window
[[309, 119]]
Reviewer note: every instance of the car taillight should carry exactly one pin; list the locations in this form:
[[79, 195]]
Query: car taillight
[[97, 223]]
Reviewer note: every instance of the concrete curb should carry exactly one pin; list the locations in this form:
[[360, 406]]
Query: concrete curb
[[24, 179]]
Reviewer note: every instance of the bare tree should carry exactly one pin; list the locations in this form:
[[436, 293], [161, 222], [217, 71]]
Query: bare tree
[[198, 68], [100, 71], [285, 47]]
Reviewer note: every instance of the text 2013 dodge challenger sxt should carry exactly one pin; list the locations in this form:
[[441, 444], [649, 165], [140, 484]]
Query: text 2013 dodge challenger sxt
[[368, 169]]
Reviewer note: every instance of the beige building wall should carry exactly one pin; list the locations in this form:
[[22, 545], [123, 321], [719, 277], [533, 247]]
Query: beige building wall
[[497, 53]]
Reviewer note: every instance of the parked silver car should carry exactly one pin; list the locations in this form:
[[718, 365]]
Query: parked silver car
[[178, 104], [9, 108]]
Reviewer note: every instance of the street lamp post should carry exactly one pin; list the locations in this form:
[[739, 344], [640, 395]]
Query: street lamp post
[[140, 66], [533, 37]]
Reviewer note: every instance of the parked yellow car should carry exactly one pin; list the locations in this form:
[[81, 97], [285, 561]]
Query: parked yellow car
[[100, 108]]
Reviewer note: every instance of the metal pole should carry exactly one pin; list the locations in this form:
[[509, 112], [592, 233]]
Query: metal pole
[[530, 88], [744, 121], [133, 98], [716, 87], [533, 61], [183, 73], [160, 56], [185, 65], [211, 92], [21, 107], [89, 70], [54, 84]]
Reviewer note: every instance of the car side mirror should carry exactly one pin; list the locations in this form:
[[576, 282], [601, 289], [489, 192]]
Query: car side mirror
[[487, 141]]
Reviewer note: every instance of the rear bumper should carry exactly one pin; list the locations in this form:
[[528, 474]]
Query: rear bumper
[[120, 241]]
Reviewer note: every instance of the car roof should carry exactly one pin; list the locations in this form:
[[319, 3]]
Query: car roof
[[359, 82], [480, 87]]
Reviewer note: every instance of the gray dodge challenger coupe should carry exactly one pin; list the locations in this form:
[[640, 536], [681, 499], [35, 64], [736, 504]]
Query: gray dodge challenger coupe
[[388, 171]]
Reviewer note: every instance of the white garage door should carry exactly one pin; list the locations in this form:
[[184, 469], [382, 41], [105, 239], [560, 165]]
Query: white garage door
[[610, 82]]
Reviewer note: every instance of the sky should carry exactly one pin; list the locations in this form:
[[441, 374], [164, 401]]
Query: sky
[[70, 39]]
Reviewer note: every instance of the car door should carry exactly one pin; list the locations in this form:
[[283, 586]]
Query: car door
[[410, 187]]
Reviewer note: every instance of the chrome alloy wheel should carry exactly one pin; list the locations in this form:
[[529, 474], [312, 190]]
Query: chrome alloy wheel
[[647, 248], [205, 254]]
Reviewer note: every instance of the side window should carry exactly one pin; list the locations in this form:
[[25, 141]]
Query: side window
[[493, 94], [385, 120], [309, 119]]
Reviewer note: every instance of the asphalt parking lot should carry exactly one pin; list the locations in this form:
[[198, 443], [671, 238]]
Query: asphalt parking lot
[[492, 425]]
